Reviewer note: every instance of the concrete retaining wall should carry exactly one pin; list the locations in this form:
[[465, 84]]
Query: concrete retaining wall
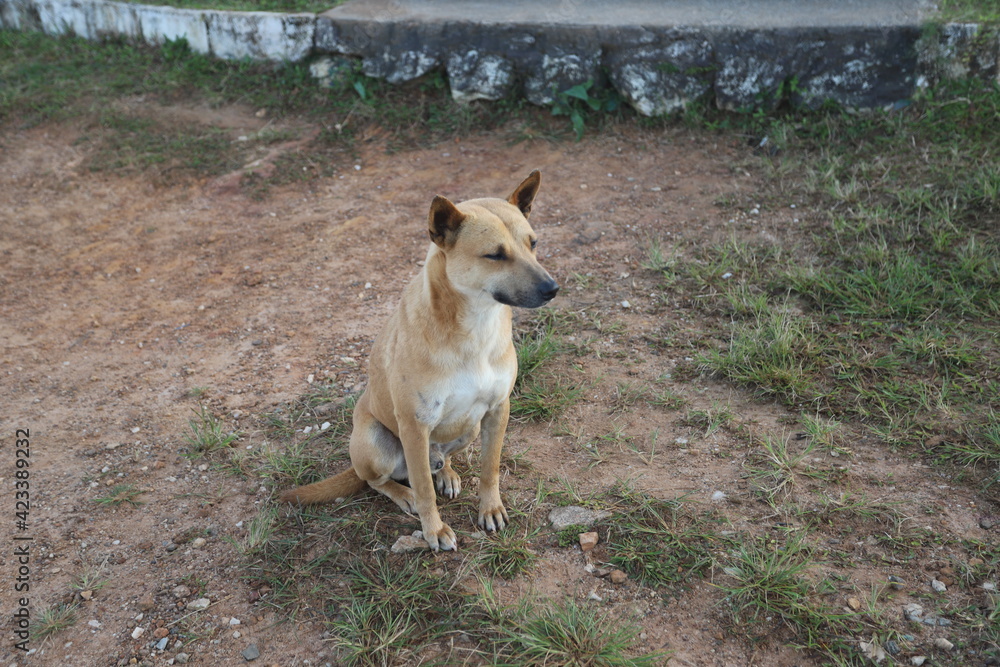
[[655, 68], [228, 35]]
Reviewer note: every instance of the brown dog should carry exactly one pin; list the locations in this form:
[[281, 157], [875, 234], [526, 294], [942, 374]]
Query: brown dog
[[442, 369]]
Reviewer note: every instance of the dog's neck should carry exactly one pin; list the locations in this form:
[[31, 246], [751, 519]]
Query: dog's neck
[[469, 315]]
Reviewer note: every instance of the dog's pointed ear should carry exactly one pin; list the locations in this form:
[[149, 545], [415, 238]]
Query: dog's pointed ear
[[444, 221], [525, 192]]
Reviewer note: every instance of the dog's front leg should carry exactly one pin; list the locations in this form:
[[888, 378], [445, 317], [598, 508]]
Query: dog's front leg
[[492, 515], [416, 447]]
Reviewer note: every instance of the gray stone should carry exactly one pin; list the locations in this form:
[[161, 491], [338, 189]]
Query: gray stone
[[409, 543], [199, 605], [251, 653], [857, 67], [182, 658], [479, 76], [574, 515], [956, 51], [558, 72], [664, 78], [913, 612]]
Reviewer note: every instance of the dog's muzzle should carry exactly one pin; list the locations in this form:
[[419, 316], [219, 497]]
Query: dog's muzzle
[[543, 292]]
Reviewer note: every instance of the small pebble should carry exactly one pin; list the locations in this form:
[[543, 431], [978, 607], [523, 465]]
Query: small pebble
[[938, 586], [718, 495], [251, 652], [198, 542], [162, 644], [138, 632], [94, 623], [199, 604], [943, 644], [588, 541], [918, 660], [181, 591]]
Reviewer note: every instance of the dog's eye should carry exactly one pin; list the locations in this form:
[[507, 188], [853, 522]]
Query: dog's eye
[[534, 242], [497, 256]]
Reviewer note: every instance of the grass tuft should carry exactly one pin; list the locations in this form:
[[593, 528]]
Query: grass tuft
[[207, 434]]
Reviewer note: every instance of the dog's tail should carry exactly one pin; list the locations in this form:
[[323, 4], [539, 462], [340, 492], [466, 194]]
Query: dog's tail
[[343, 485]]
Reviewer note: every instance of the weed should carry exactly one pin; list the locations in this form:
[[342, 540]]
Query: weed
[[207, 434], [626, 395], [121, 493], [565, 634], [657, 542], [667, 398], [773, 353], [650, 456], [506, 553], [582, 99], [976, 447], [51, 620], [570, 536], [775, 469], [773, 580], [711, 419], [541, 399], [89, 579], [260, 532], [390, 610]]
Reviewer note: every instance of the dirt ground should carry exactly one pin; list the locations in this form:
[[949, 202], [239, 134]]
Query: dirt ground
[[126, 305]]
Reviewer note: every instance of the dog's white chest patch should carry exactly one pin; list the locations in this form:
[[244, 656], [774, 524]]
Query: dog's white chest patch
[[466, 397]]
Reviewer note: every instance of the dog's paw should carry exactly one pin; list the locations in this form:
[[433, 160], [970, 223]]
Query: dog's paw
[[442, 538], [406, 500], [448, 483], [493, 517]]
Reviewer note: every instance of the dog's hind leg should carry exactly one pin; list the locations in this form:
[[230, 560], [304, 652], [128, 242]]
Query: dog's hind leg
[[377, 456], [397, 493]]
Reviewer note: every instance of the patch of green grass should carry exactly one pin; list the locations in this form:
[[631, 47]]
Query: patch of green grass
[[542, 399], [207, 434], [976, 447], [128, 144], [770, 584], [970, 11], [567, 634], [710, 419], [774, 354], [506, 553], [90, 578], [775, 468], [658, 542], [886, 312], [121, 493], [51, 620], [390, 610], [570, 536]]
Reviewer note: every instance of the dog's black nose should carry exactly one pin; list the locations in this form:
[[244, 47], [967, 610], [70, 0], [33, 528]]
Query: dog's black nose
[[548, 289]]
